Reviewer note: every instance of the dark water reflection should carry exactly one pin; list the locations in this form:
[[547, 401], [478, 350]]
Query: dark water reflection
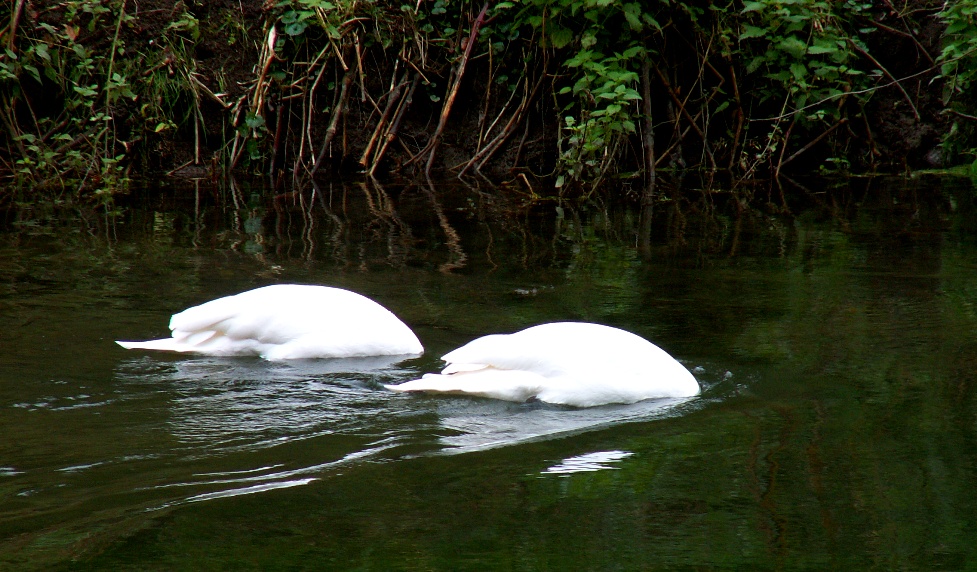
[[835, 338]]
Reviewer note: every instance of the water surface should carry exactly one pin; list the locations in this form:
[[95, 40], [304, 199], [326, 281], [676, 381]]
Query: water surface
[[835, 340]]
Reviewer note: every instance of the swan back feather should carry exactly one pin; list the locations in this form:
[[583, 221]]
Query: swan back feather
[[570, 363], [288, 321]]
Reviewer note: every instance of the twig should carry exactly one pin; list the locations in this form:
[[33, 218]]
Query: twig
[[392, 100], [277, 142], [739, 116], [486, 152], [648, 133], [261, 86], [873, 150], [686, 114], [431, 148], [334, 121], [12, 30], [963, 115], [167, 61], [785, 114], [909, 35], [816, 140], [783, 146], [395, 124], [869, 57], [206, 90]]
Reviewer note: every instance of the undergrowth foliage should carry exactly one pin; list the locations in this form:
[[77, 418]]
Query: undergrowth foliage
[[958, 59], [578, 93]]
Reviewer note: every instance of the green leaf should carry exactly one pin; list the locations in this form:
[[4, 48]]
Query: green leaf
[[85, 91], [631, 95], [799, 71], [752, 32], [295, 28], [956, 27], [583, 56], [560, 37], [42, 52], [633, 21], [632, 52], [753, 7], [821, 47], [33, 71], [651, 21], [793, 46]]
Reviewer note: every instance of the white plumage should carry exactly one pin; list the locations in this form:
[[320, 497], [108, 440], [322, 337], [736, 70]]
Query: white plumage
[[288, 321], [568, 363]]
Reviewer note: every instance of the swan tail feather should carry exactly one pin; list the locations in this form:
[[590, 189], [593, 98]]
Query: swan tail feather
[[497, 384], [165, 344]]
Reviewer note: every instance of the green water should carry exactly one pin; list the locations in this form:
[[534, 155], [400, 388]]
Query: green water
[[836, 345]]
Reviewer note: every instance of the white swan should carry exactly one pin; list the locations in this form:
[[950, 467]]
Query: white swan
[[288, 321], [568, 363]]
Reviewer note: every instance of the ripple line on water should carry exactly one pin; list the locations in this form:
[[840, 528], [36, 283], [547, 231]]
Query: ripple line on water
[[250, 490], [268, 481]]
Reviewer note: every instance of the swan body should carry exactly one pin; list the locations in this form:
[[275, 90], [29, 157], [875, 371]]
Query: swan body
[[568, 363], [288, 321]]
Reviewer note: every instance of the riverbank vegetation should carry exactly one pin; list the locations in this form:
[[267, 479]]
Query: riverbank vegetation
[[541, 94]]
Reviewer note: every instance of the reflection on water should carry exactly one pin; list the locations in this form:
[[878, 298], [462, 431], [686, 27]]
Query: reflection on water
[[834, 340], [229, 403], [475, 425], [237, 407], [596, 461]]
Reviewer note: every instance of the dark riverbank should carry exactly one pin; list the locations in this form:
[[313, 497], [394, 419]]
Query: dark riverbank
[[568, 95]]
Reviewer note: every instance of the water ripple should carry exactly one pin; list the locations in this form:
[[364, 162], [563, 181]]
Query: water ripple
[[223, 414]]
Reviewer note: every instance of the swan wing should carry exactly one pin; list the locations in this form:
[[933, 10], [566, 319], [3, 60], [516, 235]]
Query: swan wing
[[289, 321], [569, 363]]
